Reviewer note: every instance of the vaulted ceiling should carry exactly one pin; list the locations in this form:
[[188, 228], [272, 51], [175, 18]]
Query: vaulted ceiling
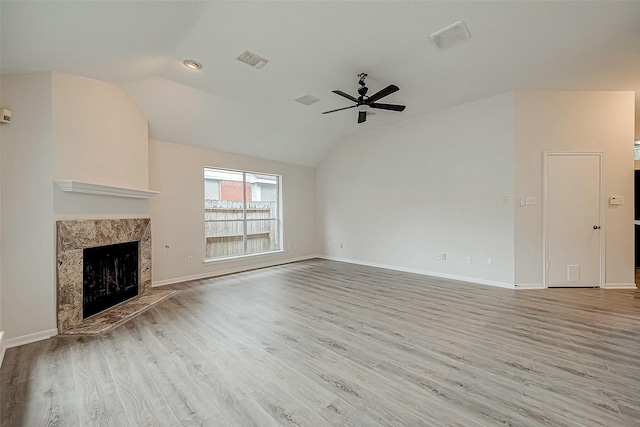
[[313, 48]]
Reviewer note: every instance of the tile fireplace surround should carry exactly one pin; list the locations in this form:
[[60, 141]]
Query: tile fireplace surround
[[73, 236]]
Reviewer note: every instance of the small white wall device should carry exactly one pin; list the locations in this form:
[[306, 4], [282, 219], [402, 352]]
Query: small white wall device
[[616, 200], [5, 115]]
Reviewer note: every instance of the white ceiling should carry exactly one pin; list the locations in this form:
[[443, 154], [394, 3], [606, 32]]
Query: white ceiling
[[315, 47]]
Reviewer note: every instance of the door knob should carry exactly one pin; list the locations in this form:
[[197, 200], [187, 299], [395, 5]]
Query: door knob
[[596, 227]]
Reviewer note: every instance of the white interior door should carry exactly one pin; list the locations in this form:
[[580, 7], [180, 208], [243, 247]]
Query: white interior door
[[573, 220]]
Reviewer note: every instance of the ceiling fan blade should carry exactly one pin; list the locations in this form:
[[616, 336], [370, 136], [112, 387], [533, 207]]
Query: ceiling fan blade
[[392, 107], [346, 95], [339, 109], [362, 116], [384, 92]]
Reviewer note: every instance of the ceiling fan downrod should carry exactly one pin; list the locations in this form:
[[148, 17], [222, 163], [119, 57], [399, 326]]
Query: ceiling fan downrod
[[362, 90]]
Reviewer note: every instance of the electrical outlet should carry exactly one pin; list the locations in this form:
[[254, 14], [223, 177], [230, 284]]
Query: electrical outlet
[[489, 261], [505, 200], [444, 257], [341, 246], [468, 260], [189, 258], [295, 247]]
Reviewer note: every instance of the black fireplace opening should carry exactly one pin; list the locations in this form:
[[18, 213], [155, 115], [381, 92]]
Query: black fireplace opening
[[110, 276]]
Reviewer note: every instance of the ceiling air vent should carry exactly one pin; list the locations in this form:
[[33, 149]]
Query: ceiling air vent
[[451, 35], [307, 99], [252, 59]]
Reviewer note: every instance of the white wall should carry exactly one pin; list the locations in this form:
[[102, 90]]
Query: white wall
[[399, 195], [177, 213], [100, 135], [575, 121], [64, 127], [1, 323], [28, 270]]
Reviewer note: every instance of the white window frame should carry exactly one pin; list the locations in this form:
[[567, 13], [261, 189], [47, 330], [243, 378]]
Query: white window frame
[[279, 218]]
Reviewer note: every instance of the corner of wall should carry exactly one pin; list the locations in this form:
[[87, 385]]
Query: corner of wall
[[1, 323], [28, 289], [177, 213], [2, 349], [389, 197], [574, 121]]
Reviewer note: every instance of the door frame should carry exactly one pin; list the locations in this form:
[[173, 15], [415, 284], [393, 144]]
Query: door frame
[[545, 204]]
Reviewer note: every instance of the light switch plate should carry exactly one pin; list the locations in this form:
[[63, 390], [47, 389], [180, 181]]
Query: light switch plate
[[531, 200]]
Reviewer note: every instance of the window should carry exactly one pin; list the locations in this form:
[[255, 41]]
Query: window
[[241, 213]]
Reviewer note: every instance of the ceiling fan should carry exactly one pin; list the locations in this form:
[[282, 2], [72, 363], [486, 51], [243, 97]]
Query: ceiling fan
[[364, 102]]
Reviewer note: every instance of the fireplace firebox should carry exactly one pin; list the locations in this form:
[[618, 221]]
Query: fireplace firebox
[[110, 276]]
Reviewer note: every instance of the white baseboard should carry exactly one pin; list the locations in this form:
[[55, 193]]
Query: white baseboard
[[620, 286], [229, 271], [1, 348], [28, 339], [423, 272], [529, 286]]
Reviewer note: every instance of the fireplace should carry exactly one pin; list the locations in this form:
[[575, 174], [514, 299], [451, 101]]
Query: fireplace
[[109, 277], [79, 245], [104, 263]]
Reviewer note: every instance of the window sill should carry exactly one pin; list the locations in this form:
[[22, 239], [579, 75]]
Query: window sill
[[239, 257]]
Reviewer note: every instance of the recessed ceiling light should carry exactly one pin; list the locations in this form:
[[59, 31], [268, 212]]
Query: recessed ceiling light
[[191, 64]]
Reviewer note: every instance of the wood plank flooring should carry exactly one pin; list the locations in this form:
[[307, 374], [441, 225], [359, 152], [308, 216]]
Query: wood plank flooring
[[323, 343]]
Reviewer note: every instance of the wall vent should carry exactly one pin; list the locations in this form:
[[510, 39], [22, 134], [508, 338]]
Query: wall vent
[[451, 35], [256, 61], [573, 273], [307, 99]]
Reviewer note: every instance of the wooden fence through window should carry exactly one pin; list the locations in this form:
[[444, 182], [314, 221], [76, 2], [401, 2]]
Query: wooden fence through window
[[224, 228]]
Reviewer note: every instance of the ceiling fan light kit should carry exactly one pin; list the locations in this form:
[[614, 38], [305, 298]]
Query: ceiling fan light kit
[[364, 102]]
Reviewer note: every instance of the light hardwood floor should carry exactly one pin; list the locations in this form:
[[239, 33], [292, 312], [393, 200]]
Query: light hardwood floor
[[320, 343]]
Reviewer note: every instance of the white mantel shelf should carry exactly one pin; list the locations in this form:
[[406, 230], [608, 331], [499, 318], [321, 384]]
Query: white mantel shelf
[[72, 186]]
